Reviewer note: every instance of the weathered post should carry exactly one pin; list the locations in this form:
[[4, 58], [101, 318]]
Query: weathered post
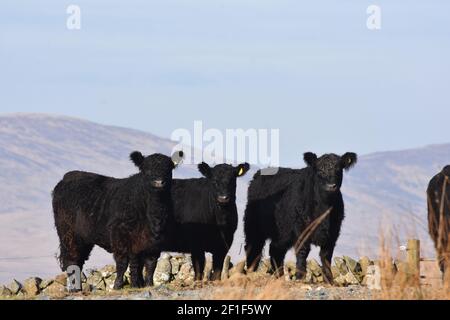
[[413, 259]]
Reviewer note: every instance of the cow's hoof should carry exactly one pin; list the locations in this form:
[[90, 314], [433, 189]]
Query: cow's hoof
[[118, 286], [149, 283]]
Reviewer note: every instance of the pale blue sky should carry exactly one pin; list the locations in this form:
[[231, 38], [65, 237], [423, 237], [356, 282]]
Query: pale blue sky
[[311, 69]]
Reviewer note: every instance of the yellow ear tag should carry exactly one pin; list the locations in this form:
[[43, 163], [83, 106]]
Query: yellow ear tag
[[241, 172]]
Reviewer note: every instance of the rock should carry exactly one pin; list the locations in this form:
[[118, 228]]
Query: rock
[[315, 267], [100, 286], [5, 292], [308, 277], [186, 273], [86, 288], [226, 268], [290, 268], [351, 279], [208, 270], [31, 286], [110, 282], [61, 279], [107, 271], [364, 262], [352, 265], [318, 279], [335, 271], [340, 281], [163, 271], [238, 268], [55, 290], [95, 281], [45, 283], [15, 287], [340, 264], [264, 266], [175, 264]]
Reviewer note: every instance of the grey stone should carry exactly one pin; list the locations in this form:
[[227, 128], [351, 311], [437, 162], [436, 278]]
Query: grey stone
[[364, 262], [340, 281], [186, 273], [351, 279], [100, 286], [55, 290], [352, 265], [61, 278], [238, 268], [94, 278], [315, 267], [208, 270], [5, 292], [107, 271], [175, 263], [31, 286], [163, 271], [340, 264], [15, 287], [335, 271], [45, 283], [264, 266]]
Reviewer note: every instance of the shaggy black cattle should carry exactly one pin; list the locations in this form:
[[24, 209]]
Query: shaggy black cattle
[[297, 208], [206, 215], [439, 216], [127, 217]]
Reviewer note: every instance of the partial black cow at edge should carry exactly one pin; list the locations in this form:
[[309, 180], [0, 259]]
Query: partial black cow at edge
[[127, 217], [438, 193], [206, 215], [282, 206]]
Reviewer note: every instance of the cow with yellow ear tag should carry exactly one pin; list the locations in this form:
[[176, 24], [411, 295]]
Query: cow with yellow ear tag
[[205, 215]]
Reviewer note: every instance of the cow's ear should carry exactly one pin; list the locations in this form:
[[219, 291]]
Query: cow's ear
[[177, 158], [310, 159], [349, 160], [242, 169], [137, 158], [204, 169]]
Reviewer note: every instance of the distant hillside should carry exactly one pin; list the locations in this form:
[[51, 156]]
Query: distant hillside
[[36, 150]]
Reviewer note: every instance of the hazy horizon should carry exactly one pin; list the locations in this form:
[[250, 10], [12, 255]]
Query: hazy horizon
[[312, 70]]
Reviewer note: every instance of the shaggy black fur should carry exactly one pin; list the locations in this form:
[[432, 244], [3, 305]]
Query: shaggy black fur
[[280, 207], [127, 217], [206, 215], [439, 216]]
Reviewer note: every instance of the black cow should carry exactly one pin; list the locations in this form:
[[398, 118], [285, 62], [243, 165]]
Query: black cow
[[127, 217], [439, 216], [206, 215], [283, 207]]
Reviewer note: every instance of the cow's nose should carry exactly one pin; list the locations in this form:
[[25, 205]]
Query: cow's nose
[[223, 199], [159, 183]]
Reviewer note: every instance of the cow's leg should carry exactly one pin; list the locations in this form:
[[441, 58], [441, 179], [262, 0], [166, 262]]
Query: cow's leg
[[218, 259], [277, 253], [326, 253], [140, 272], [254, 251], [302, 255], [121, 268], [150, 266], [136, 271], [198, 261]]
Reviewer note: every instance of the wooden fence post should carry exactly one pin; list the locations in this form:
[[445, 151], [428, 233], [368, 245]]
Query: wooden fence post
[[413, 259]]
